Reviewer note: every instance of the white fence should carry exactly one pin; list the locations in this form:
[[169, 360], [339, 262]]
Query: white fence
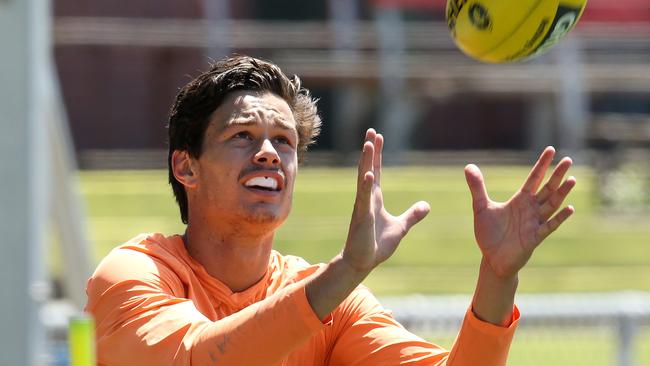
[[622, 318], [550, 324]]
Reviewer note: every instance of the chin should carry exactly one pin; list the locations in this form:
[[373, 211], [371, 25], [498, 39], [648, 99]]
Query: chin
[[265, 216]]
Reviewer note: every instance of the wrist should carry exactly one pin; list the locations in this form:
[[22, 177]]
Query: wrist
[[487, 272], [348, 270], [494, 296]]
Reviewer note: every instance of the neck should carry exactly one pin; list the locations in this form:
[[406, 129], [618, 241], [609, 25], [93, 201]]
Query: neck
[[237, 260]]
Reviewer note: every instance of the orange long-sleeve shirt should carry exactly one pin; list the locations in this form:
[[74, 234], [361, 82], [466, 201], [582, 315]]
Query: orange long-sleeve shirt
[[155, 305]]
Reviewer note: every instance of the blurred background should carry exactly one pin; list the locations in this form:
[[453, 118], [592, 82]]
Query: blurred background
[[87, 86]]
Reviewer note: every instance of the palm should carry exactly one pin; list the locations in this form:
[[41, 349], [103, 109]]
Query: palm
[[374, 233], [507, 233], [389, 230]]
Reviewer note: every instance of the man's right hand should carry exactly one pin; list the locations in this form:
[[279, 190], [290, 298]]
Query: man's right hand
[[373, 236]]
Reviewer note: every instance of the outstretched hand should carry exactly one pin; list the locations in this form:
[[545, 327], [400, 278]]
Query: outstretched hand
[[508, 232], [374, 234]]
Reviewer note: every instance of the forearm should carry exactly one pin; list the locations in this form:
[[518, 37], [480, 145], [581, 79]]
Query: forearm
[[154, 328], [280, 323], [482, 343], [331, 285], [272, 328], [494, 296]]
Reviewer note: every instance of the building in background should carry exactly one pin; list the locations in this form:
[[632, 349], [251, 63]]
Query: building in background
[[384, 63]]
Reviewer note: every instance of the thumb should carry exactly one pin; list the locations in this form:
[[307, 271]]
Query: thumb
[[415, 214], [476, 185]]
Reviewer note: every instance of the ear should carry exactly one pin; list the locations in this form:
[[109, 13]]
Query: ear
[[183, 167]]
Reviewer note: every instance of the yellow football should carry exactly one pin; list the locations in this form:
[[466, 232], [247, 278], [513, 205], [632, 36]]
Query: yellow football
[[510, 30]]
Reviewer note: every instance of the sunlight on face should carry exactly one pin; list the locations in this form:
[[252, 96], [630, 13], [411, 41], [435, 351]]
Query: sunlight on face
[[249, 162]]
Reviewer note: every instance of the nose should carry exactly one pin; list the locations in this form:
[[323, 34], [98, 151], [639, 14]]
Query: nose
[[267, 155]]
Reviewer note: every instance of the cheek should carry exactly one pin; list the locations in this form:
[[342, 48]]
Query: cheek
[[289, 159], [291, 170], [216, 178]]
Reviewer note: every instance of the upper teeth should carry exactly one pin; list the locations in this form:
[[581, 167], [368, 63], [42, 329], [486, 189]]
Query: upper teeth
[[265, 182]]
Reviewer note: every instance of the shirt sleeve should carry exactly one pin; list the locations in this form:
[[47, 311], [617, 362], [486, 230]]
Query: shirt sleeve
[[367, 334], [142, 319]]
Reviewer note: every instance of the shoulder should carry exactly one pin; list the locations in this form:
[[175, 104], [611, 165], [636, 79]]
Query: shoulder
[[146, 260]]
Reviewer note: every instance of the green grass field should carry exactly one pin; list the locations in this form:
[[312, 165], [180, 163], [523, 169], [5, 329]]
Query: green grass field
[[594, 251], [566, 347]]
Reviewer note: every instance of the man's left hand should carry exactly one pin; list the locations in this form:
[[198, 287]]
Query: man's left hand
[[508, 232]]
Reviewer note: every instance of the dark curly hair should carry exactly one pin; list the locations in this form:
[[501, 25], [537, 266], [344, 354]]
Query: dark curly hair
[[190, 115]]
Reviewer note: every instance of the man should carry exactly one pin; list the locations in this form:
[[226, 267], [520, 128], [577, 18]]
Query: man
[[219, 294]]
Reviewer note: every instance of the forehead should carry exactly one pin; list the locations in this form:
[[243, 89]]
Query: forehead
[[246, 106]]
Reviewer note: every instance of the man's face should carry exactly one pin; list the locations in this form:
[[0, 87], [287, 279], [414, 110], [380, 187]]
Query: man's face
[[248, 163]]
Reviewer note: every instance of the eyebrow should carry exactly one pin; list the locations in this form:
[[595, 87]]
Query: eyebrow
[[280, 122]]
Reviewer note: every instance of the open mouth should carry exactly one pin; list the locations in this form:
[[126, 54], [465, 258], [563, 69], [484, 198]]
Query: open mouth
[[263, 183]]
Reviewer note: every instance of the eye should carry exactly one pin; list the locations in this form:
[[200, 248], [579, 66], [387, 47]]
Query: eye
[[283, 140], [242, 135]]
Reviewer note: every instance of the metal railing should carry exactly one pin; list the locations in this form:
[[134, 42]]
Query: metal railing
[[623, 313]]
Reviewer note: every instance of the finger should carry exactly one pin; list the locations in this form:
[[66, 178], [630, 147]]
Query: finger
[[365, 180], [551, 225], [476, 185], [365, 161], [370, 138], [414, 214], [379, 147], [555, 200], [370, 135], [539, 170], [555, 180]]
